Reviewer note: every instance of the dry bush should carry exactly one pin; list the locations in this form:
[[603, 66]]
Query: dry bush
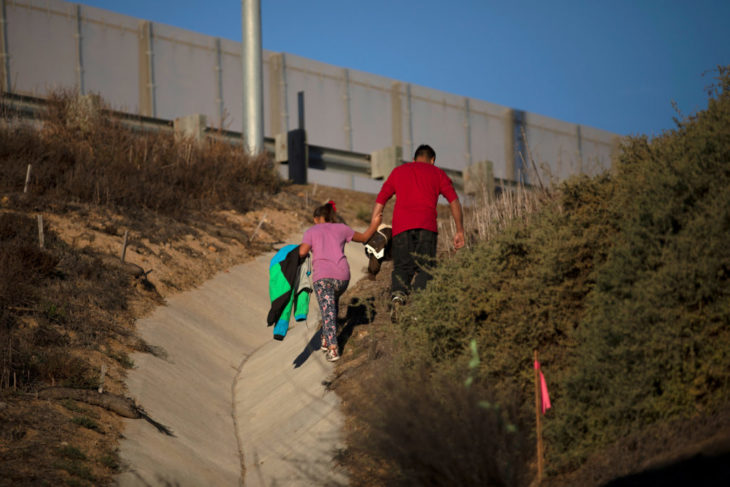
[[487, 215], [53, 301], [432, 430], [80, 154]]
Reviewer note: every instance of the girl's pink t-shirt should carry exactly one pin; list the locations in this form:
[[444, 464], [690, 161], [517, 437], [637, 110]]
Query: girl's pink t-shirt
[[328, 250]]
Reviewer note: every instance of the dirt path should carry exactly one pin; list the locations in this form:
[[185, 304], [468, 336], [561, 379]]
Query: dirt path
[[210, 334]]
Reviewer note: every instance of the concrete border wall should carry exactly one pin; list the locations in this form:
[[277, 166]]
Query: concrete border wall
[[167, 72]]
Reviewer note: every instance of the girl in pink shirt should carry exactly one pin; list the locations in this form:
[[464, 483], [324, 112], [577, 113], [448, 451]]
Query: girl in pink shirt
[[331, 272]]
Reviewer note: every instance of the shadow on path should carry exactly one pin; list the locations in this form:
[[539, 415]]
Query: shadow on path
[[359, 312], [312, 346]]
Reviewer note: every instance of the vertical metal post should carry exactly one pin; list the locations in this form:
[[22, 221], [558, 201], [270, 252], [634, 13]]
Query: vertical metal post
[[521, 167], [79, 53], [147, 104], [467, 131], [275, 94], [285, 93], [348, 112], [396, 114], [409, 111], [5, 81], [253, 85], [579, 135], [297, 149], [151, 69], [278, 103], [300, 109], [219, 81]]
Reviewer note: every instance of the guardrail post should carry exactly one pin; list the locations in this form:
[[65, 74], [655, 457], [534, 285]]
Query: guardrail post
[[297, 150], [479, 177], [281, 148], [297, 155], [191, 126], [383, 161], [84, 112]]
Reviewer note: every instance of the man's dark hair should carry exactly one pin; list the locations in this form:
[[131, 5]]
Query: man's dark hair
[[425, 150]]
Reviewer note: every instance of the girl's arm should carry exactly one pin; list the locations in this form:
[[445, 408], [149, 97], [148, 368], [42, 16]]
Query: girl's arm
[[304, 249], [374, 223]]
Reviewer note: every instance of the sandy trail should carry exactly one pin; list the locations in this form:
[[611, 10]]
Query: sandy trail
[[231, 394]]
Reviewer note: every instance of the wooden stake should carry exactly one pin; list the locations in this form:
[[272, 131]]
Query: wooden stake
[[538, 412], [102, 376], [253, 235], [124, 245], [27, 179], [41, 237]]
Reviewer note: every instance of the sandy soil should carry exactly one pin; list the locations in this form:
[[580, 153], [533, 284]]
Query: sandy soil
[[71, 442]]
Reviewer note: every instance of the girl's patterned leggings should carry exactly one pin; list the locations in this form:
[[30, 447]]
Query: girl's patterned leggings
[[328, 292]]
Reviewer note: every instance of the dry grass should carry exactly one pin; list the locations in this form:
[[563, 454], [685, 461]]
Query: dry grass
[[80, 154], [487, 215], [70, 307]]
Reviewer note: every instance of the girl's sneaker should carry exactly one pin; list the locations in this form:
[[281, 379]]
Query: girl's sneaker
[[323, 346], [333, 355]]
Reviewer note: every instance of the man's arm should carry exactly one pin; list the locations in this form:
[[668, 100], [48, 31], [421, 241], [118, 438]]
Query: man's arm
[[377, 212], [456, 213], [374, 223]]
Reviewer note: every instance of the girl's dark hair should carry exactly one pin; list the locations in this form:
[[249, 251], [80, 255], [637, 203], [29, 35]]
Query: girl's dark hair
[[327, 211]]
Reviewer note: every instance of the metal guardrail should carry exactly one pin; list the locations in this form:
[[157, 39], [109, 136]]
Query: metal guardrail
[[30, 107]]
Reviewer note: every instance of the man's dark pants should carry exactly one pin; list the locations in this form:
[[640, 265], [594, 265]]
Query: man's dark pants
[[414, 251]]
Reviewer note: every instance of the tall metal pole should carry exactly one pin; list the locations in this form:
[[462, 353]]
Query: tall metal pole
[[253, 84]]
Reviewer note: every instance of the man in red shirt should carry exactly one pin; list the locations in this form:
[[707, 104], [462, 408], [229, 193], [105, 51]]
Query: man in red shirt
[[417, 186]]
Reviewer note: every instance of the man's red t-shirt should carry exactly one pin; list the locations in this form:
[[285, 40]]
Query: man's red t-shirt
[[417, 186]]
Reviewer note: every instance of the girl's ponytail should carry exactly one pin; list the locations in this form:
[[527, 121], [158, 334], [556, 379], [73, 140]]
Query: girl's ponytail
[[327, 211]]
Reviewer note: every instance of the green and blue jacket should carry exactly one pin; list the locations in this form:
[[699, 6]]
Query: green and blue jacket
[[285, 291]]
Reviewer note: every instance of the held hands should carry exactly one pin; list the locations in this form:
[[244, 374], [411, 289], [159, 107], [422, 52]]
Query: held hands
[[375, 221]]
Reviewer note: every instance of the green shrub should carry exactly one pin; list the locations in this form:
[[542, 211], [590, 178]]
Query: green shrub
[[86, 422], [71, 452], [621, 281], [435, 431], [655, 342]]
